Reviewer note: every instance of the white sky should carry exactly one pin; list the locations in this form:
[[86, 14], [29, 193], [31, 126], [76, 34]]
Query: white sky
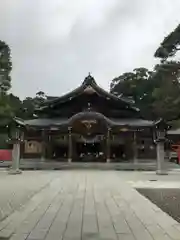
[[55, 43]]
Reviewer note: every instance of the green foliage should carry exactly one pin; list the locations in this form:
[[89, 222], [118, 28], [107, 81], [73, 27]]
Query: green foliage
[[126, 84], [3, 140], [27, 108], [175, 123], [166, 92], [6, 112], [39, 99], [5, 67], [167, 75], [156, 93], [5, 108], [9, 107], [170, 45], [137, 86], [28, 105]]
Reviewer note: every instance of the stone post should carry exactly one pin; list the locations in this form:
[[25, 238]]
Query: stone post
[[135, 150], [108, 148], [161, 170], [16, 155], [69, 144]]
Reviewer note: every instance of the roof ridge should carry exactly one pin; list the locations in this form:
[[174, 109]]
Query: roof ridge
[[88, 81]]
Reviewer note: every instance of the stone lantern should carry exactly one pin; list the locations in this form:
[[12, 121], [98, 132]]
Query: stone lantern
[[161, 127], [16, 139]]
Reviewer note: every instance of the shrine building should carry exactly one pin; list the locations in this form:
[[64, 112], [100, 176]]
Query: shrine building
[[87, 124]]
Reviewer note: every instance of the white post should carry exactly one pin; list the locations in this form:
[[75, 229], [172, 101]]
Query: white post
[[161, 170], [16, 156]]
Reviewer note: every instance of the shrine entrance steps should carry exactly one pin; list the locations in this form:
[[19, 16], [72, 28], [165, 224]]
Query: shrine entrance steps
[[37, 164]]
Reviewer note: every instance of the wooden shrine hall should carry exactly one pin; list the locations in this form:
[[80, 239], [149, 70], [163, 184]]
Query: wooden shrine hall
[[87, 124]]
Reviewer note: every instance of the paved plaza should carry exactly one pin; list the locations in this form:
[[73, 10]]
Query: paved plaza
[[86, 204]]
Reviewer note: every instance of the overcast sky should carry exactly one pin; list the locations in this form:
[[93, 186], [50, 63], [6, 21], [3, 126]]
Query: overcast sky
[[55, 43]]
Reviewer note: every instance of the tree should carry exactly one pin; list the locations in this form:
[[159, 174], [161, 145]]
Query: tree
[[16, 104], [137, 86], [29, 105], [40, 98], [156, 93], [167, 95], [170, 45], [41, 95], [27, 109], [5, 83], [5, 67]]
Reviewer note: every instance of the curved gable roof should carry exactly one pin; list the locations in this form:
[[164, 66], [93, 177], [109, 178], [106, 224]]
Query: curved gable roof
[[89, 84]]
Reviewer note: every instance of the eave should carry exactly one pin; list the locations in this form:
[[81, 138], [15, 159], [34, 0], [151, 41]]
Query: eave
[[46, 123]]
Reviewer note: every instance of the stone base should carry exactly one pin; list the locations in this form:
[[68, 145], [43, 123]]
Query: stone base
[[42, 159], [135, 161], [14, 171], [108, 160], [69, 160], [161, 172]]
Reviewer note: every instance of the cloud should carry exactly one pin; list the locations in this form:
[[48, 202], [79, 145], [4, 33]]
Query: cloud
[[56, 43]]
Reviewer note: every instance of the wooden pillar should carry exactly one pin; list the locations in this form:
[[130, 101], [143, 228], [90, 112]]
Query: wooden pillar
[[108, 147], [69, 144], [135, 150], [49, 148], [16, 154], [43, 146], [161, 170]]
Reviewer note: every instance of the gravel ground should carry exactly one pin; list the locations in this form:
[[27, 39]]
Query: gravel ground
[[166, 199]]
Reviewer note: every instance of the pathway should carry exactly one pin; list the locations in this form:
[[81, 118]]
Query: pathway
[[88, 205]]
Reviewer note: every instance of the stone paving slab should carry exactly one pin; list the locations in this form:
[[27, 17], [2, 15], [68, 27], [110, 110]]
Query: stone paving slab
[[16, 190], [89, 205]]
